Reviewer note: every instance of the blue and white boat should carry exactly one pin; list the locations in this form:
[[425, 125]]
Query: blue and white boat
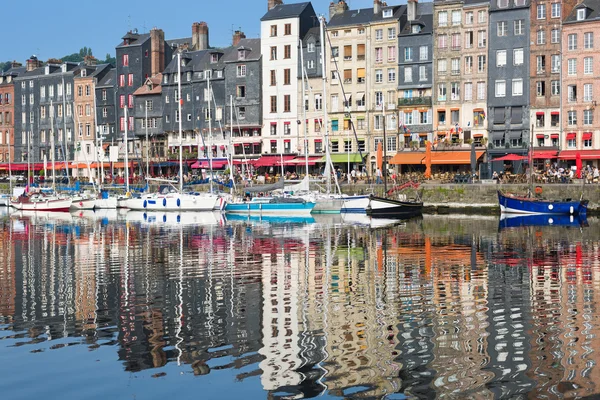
[[284, 206], [271, 219], [514, 204]]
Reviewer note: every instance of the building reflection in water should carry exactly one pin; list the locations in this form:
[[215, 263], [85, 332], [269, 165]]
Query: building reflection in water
[[431, 308]]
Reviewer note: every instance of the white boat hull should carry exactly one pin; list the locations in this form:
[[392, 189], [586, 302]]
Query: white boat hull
[[4, 200], [42, 205], [82, 204], [329, 205], [108, 203], [356, 204], [173, 202], [168, 218]]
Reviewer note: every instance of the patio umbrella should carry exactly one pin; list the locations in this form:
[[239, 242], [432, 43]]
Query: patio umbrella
[[578, 164], [379, 159], [428, 160]]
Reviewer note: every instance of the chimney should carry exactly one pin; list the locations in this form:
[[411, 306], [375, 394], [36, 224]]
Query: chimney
[[272, 3], [237, 36], [337, 7], [199, 36], [411, 10], [33, 63], [90, 60], [15, 64], [376, 6], [157, 51]]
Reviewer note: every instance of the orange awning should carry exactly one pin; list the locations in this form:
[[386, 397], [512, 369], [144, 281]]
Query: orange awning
[[122, 164], [437, 158]]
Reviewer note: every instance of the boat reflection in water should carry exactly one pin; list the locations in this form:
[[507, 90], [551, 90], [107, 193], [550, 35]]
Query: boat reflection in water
[[272, 219], [513, 220], [199, 218], [436, 307]]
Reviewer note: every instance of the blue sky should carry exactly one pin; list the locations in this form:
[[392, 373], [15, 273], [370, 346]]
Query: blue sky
[[55, 29]]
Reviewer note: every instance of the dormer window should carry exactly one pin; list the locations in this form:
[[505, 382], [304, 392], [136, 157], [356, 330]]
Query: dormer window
[[581, 14], [214, 58], [166, 78], [189, 76], [241, 54], [63, 68], [415, 29], [502, 3], [310, 47], [208, 74], [387, 13], [83, 73]]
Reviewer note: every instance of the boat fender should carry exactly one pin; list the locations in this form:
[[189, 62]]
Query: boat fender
[[178, 218], [164, 218], [550, 207], [164, 201], [145, 216], [571, 209], [145, 203], [179, 202]]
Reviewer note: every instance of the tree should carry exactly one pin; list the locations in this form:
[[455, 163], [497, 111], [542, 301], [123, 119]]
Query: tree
[[5, 66]]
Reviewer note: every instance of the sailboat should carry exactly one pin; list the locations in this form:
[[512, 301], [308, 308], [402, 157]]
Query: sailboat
[[527, 204], [173, 199], [387, 206], [36, 199]]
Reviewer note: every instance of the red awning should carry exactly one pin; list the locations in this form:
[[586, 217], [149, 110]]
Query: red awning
[[510, 157], [586, 136], [271, 161], [571, 136], [539, 135], [312, 160], [237, 144], [243, 162], [543, 155], [216, 164], [554, 136], [318, 140], [555, 113], [539, 113], [585, 154], [286, 140]]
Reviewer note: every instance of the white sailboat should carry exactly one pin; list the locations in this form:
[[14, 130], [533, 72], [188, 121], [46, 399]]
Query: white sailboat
[[38, 200], [173, 200]]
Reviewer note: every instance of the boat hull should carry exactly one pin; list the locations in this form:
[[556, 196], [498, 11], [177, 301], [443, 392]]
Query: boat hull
[[173, 202], [42, 205], [329, 205], [281, 209], [108, 203], [522, 205], [519, 220], [4, 200], [355, 204], [380, 207], [83, 204]]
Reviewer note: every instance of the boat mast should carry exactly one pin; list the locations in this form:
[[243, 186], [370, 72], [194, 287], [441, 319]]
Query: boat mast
[[52, 145], [208, 96], [325, 115], [530, 159], [126, 150], [304, 108], [230, 156], [9, 167], [180, 100]]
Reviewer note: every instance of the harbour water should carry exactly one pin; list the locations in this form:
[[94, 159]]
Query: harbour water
[[153, 306]]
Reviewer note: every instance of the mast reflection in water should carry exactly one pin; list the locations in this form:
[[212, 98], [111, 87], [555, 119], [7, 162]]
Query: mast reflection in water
[[434, 307]]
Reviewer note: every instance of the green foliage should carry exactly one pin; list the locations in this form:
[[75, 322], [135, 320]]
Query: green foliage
[[5, 66]]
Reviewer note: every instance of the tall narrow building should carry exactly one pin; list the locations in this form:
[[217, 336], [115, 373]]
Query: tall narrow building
[[7, 111], [282, 28], [508, 71], [580, 125]]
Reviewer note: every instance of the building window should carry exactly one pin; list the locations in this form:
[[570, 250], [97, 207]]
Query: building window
[[391, 51], [287, 29], [540, 88], [571, 117], [273, 30], [481, 39], [310, 47], [273, 104], [408, 74], [379, 34], [572, 41], [581, 14], [587, 92], [555, 88], [588, 40], [287, 51], [555, 10], [588, 65], [422, 73], [519, 27], [541, 36], [391, 33], [500, 58], [502, 28], [500, 88], [588, 117], [502, 3], [468, 64], [587, 140], [468, 91], [391, 74], [517, 87], [441, 91], [273, 53], [454, 91], [554, 35], [125, 60], [423, 53], [571, 66], [442, 41], [456, 17], [241, 71], [455, 64], [541, 11], [442, 18], [481, 17], [480, 64], [572, 93], [441, 117], [469, 18], [541, 63], [287, 103], [240, 91], [287, 76], [518, 56], [442, 66]]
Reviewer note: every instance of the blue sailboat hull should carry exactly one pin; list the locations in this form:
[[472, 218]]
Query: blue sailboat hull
[[511, 204], [272, 208]]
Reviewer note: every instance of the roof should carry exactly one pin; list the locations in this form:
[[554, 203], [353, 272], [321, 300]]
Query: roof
[[137, 39], [151, 86], [424, 18], [14, 71], [364, 16], [593, 13], [109, 79], [179, 42], [251, 45], [283, 11]]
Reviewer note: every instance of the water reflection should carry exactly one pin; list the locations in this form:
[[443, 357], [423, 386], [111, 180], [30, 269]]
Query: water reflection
[[438, 307]]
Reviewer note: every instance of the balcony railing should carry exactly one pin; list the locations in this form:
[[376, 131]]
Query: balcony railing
[[415, 101]]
